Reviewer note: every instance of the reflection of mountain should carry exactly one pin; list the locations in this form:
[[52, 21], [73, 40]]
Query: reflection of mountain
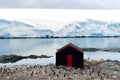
[[87, 28]]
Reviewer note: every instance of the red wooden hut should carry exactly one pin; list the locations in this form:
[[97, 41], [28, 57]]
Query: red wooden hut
[[70, 55]]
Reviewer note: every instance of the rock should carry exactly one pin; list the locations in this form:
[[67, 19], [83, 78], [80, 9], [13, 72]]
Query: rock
[[15, 58], [103, 71], [7, 77], [114, 77]]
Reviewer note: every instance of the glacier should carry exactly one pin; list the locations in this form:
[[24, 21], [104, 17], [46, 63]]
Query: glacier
[[89, 27], [19, 29]]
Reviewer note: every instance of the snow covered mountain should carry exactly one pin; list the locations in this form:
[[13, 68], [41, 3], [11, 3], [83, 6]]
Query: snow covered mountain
[[90, 28], [19, 29], [87, 28]]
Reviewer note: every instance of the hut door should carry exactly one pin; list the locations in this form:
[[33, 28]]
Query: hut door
[[69, 60]]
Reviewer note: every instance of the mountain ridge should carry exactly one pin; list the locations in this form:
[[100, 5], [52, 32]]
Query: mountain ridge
[[90, 27], [20, 29]]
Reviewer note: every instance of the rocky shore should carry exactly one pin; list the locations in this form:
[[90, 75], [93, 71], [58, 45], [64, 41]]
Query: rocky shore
[[14, 58], [93, 70]]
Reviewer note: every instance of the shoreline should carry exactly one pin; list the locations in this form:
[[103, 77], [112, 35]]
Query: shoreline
[[58, 37], [93, 70], [10, 60], [14, 58]]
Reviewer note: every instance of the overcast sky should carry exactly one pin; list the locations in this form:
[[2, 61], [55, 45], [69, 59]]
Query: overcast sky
[[56, 18], [65, 15], [61, 4]]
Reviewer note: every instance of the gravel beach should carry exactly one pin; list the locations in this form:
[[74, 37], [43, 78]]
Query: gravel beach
[[93, 70]]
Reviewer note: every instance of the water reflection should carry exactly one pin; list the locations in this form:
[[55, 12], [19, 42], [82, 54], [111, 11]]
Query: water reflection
[[49, 46]]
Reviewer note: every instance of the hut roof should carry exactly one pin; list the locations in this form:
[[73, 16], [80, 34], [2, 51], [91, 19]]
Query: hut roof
[[70, 45]]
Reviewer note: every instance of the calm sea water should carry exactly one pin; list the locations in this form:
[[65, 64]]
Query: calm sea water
[[49, 46]]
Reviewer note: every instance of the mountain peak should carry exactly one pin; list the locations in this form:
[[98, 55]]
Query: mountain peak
[[3, 21]]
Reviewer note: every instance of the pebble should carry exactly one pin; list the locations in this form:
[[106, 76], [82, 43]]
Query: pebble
[[93, 70]]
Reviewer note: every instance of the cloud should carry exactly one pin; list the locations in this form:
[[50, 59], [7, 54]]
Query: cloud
[[61, 4]]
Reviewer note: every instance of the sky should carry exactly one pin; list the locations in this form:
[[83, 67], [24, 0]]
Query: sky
[[61, 4], [56, 18]]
